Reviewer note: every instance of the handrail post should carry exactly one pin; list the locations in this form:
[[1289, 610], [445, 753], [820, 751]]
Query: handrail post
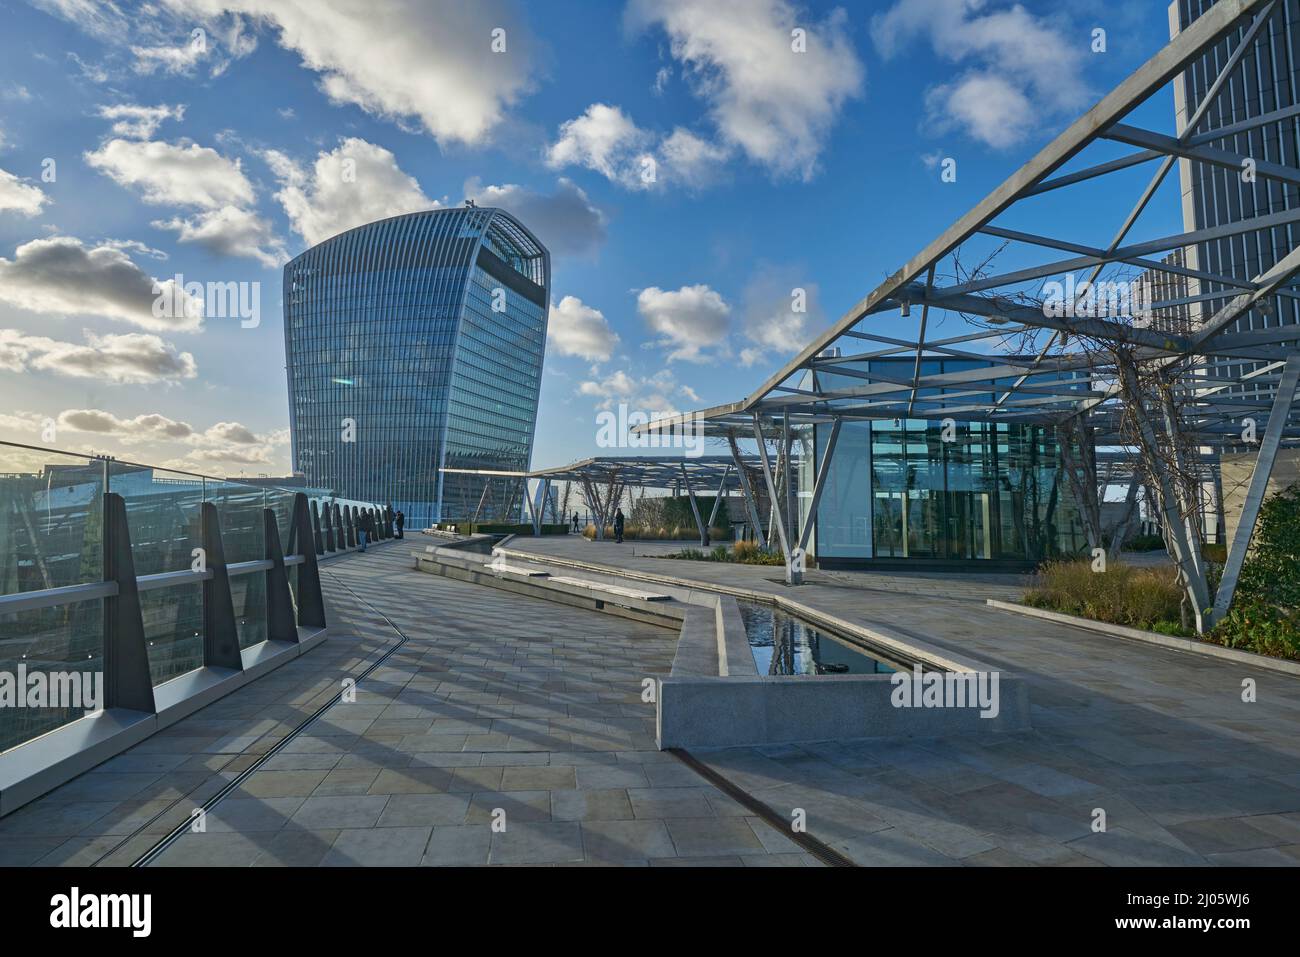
[[127, 680], [220, 633]]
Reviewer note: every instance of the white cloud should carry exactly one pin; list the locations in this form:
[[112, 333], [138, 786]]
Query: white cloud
[[62, 276], [20, 197], [145, 427], [177, 174], [194, 177], [224, 447], [1020, 70], [355, 183], [688, 320], [133, 358], [775, 104], [427, 61], [778, 312], [653, 394], [231, 432], [577, 329], [139, 122], [96, 17], [566, 221], [230, 231], [689, 159], [171, 58], [606, 140]]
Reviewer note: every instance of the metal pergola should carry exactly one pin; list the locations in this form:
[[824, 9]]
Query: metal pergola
[[605, 480], [1226, 370]]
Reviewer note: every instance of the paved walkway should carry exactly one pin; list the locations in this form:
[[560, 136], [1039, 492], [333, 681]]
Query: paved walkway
[[1161, 741], [499, 703], [496, 708]]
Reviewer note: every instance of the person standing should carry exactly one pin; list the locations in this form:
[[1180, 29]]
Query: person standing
[[362, 530], [401, 522], [618, 526], [388, 519], [575, 522]]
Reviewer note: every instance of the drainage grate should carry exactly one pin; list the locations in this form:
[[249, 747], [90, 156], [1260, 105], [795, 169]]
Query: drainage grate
[[180, 830]]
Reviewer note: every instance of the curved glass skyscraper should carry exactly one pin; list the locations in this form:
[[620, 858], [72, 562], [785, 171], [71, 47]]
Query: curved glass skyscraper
[[415, 344]]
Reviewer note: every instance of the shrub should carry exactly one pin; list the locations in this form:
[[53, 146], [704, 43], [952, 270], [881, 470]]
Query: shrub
[[1144, 543], [745, 553], [1265, 613], [1271, 573], [1121, 595]]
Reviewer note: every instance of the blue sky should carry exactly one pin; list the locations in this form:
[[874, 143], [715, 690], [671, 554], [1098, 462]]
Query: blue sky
[[219, 158]]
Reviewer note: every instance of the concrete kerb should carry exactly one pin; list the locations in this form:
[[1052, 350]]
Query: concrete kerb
[[719, 700], [1190, 645]]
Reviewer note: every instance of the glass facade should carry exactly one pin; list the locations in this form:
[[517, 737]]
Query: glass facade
[[897, 489], [412, 345]]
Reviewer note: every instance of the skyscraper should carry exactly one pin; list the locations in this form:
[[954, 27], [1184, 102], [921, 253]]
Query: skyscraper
[[1257, 115], [413, 345]]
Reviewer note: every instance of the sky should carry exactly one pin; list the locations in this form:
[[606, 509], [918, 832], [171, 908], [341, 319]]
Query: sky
[[689, 165]]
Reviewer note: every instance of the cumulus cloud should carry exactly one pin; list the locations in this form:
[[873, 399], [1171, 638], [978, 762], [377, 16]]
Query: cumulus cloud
[[62, 276], [1019, 69], [199, 178], [687, 321], [690, 160], [775, 104], [576, 329], [223, 447], [778, 314], [178, 174], [230, 231], [566, 221], [133, 358], [606, 140], [424, 62], [231, 432], [20, 197], [355, 183], [145, 427], [139, 122], [656, 393]]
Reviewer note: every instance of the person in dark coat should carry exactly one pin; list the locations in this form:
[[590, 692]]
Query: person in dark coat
[[575, 521], [388, 518], [401, 522], [363, 530], [618, 526]]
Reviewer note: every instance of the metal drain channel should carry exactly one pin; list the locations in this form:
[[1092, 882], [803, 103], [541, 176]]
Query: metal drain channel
[[154, 852], [823, 852]]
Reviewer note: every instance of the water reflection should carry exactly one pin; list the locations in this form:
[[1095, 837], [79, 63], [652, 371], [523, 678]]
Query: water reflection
[[787, 646]]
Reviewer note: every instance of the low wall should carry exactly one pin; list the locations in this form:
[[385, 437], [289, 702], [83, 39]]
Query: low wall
[[729, 712]]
